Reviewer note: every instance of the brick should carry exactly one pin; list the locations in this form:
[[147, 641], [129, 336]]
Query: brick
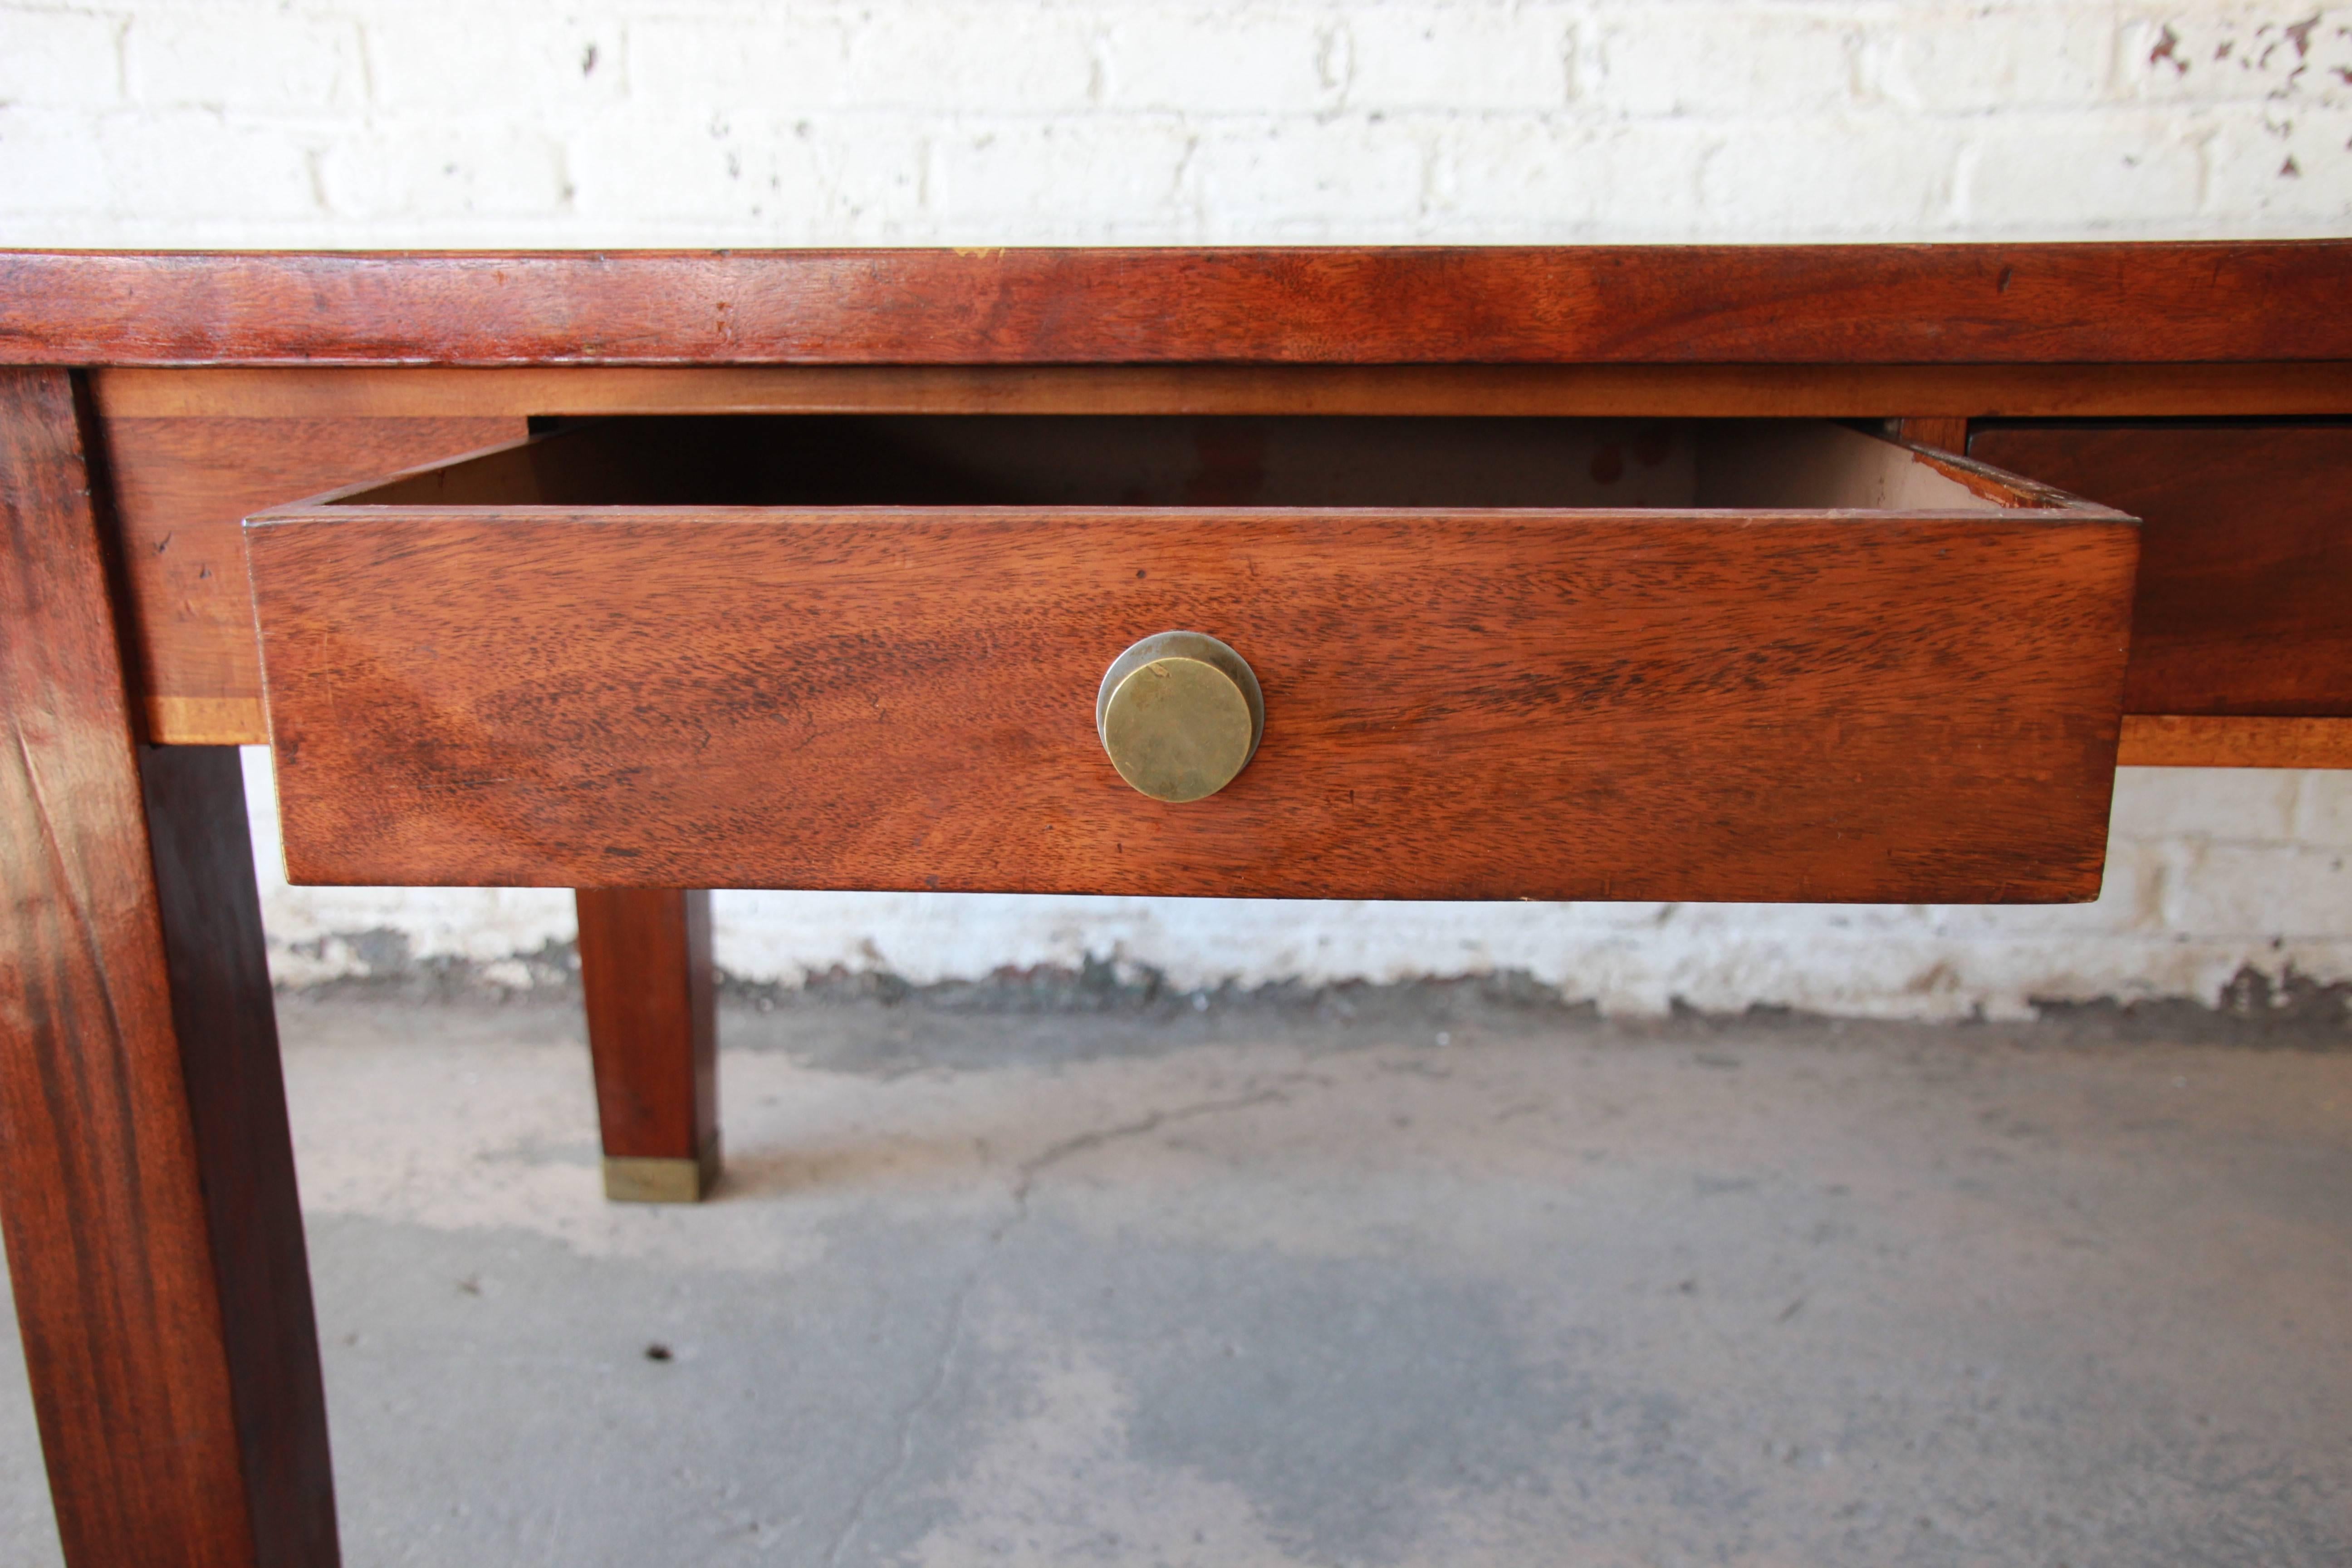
[[2287, 166], [1725, 62], [2039, 55], [1557, 179], [812, 180], [424, 57], [2057, 174], [987, 58], [1848, 176], [66, 57], [1060, 180], [709, 170], [2213, 54], [409, 170], [196, 169], [2257, 893], [2323, 811], [1256, 61], [927, 61], [876, 172], [1485, 59], [1308, 181], [782, 62], [2241, 805], [50, 162], [266, 62]]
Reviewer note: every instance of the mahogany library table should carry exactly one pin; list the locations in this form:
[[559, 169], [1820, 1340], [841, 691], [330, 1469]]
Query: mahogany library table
[[1691, 573]]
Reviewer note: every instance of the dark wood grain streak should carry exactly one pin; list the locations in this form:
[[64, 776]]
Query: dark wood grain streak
[[146, 1177], [1753, 304], [2244, 604], [1460, 705], [226, 1017], [644, 965]]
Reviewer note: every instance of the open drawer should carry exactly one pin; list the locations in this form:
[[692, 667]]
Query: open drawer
[[1496, 659]]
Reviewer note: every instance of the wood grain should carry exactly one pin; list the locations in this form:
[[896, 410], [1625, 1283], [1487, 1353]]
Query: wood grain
[[198, 449], [652, 1029], [2197, 741], [146, 1175], [1726, 391], [183, 489], [226, 1017], [1626, 304], [1460, 705], [2244, 604], [1942, 432]]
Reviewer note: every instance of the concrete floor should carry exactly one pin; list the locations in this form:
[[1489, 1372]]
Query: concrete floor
[[1420, 1276]]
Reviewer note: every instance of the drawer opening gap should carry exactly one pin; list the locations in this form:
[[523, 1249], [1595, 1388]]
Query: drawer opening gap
[[1127, 460]]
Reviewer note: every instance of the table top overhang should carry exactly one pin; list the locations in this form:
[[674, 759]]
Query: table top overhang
[[2115, 304]]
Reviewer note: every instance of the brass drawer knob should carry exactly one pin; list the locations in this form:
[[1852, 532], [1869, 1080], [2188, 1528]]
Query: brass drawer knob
[[1181, 714]]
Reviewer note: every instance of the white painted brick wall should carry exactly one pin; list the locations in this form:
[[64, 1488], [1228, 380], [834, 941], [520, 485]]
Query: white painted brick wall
[[378, 122]]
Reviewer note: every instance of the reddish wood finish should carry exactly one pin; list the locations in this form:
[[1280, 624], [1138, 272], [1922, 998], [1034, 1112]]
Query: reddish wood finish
[[1943, 432], [2244, 604], [183, 487], [146, 1175], [1460, 704], [645, 964], [1753, 304], [2178, 740], [195, 450], [1701, 391]]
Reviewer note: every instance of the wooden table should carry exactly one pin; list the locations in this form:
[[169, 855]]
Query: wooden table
[[1540, 609]]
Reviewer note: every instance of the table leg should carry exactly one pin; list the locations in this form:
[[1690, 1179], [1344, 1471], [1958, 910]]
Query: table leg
[[146, 1174], [644, 968]]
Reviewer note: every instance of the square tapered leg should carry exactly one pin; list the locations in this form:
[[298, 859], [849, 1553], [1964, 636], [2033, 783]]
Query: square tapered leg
[[644, 968], [146, 1172]]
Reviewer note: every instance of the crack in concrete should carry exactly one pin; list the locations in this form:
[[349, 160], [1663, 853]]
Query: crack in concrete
[[1086, 1142], [951, 1336]]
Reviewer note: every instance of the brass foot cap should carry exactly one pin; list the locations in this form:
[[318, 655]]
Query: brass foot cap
[[634, 1179]]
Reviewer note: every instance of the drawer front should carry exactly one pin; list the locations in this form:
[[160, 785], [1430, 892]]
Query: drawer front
[[1464, 704], [2245, 601]]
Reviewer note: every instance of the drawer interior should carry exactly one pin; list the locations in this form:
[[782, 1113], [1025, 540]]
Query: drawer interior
[[1076, 461]]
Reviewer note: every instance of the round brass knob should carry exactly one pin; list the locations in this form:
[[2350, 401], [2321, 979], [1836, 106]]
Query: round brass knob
[[1181, 714]]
